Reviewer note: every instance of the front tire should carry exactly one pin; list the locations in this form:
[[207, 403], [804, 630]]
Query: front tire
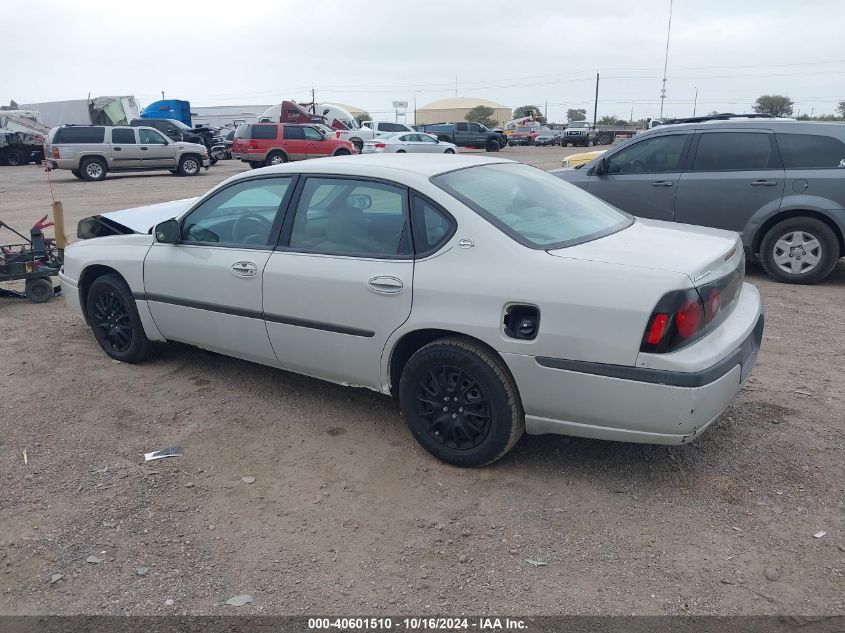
[[492, 146], [799, 250], [358, 143], [449, 150], [114, 320], [460, 402], [189, 166]]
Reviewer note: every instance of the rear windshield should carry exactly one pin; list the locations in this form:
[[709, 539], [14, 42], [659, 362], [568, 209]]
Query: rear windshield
[[523, 129], [533, 207], [79, 135]]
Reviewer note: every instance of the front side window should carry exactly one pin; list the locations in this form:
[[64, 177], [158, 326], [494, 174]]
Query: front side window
[[311, 134], [123, 136], [351, 217], [656, 155], [733, 151], [811, 151], [531, 206], [240, 215], [151, 137]]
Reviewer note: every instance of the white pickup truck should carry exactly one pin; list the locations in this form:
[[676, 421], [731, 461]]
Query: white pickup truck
[[373, 129]]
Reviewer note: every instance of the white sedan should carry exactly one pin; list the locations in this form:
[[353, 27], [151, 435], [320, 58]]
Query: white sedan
[[409, 143], [489, 297]]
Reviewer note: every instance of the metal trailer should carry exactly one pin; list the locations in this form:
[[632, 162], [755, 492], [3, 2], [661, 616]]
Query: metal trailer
[[21, 137]]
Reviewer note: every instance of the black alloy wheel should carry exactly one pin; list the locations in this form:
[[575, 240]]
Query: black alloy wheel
[[455, 406]]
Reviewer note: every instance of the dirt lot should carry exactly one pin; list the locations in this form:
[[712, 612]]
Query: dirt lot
[[348, 515]]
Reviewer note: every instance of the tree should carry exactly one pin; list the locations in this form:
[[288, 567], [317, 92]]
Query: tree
[[576, 115], [609, 119], [776, 105], [482, 114], [713, 113], [364, 116], [529, 110], [840, 109]]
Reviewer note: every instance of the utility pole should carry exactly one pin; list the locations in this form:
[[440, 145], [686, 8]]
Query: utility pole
[[695, 103], [162, 95], [415, 108], [546, 111], [596, 102], [666, 61], [456, 85], [632, 113], [313, 102]]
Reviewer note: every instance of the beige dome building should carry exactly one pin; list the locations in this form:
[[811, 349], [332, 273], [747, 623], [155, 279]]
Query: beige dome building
[[456, 108]]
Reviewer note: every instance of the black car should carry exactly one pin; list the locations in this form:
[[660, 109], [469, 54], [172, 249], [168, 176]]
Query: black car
[[171, 128], [547, 136]]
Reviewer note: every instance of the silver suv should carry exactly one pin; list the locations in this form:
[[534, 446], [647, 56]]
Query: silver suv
[[779, 183], [91, 151]]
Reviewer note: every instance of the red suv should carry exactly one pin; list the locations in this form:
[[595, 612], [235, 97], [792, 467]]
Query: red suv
[[261, 144]]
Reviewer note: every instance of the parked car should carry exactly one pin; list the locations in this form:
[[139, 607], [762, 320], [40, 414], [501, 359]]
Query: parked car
[[467, 135], [261, 144], [524, 135], [547, 136], [409, 143], [779, 183], [370, 130], [536, 307], [579, 133], [576, 161], [173, 129], [92, 151]]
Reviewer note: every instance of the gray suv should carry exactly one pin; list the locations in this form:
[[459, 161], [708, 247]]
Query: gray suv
[[779, 183], [91, 151]]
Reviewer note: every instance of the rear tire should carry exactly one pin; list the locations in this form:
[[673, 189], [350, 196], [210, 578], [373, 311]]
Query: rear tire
[[400, 151], [16, 157], [358, 143], [93, 169], [460, 402], [114, 320], [799, 250], [254, 165], [275, 158], [39, 290]]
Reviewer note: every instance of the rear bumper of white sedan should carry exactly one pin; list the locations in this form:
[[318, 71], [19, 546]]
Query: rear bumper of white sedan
[[642, 404]]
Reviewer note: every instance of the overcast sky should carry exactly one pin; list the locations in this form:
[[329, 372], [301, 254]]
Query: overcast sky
[[369, 53]]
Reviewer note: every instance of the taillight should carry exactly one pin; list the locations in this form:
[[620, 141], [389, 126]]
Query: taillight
[[380, 145], [55, 151], [252, 145], [684, 316]]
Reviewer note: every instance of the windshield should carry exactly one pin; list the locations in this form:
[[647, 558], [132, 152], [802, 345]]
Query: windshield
[[532, 206], [579, 124]]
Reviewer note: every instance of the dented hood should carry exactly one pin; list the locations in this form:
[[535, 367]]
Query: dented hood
[[142, 219]]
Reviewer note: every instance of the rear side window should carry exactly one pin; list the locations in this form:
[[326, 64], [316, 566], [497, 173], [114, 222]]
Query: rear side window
[[264, 132], [124, 136], [293, 133], [733, 151], [80, 135], [808, 151], [242, 131], [432, 226]]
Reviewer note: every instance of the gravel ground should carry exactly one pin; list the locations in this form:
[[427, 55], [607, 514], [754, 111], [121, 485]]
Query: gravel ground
[[347, 515]]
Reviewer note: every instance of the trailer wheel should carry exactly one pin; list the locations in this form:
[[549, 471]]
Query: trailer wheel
[[16, 157], [605, 139], [39, 290]]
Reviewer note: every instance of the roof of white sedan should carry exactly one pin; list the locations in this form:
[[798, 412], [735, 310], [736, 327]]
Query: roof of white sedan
[[423, 164]]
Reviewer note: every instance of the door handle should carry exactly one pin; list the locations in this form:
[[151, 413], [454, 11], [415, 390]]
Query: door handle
[[386, 285], [144, 148], [662, 183], [244, 269], [117, 149], [763, 183]]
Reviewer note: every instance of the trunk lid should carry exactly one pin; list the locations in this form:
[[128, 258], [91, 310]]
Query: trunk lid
[[701, 253]]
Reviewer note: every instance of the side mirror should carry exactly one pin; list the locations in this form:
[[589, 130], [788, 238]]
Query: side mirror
[[600, 167], [167, 232], [360, 201]]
